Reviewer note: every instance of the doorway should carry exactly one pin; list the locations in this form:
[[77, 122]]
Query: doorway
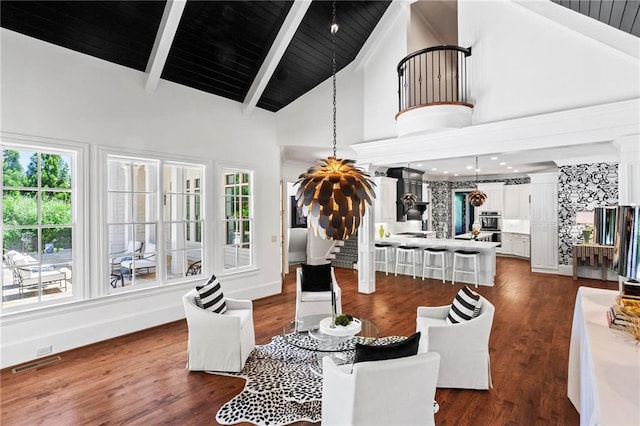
[[463, 212]]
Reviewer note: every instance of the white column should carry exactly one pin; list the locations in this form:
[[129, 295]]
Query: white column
[[628, 169], [628, 175], [366, 241]]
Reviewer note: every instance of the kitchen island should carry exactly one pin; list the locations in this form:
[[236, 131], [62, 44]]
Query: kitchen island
[[487, 258]]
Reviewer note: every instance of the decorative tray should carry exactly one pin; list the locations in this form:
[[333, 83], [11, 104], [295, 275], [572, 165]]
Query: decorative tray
[[340, 330]]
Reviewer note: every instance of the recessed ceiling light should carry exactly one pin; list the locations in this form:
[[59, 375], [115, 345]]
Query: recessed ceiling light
[[494, 158], [419, 165], [469, 167], [477, 170], [455, 174], [515, 171], [434, 169], [509, 167], [503, 163], [445, 172]]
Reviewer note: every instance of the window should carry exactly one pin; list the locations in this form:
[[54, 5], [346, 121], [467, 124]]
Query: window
[[38, 225], [154, 221], [183, 220], [238, 219]]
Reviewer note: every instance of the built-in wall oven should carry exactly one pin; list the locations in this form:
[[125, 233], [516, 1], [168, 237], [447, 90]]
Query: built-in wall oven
[[491, 221]]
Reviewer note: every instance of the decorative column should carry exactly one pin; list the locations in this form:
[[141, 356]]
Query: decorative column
[[628, 175], [366, 241], [628, 169]]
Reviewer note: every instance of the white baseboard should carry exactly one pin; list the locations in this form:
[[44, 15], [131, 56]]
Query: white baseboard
[[97, 320], [587, 272]]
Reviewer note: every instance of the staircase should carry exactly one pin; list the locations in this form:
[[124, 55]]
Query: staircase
[[347, 257]]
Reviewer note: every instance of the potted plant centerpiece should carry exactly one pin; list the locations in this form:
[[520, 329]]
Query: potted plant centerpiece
[[341, 325]]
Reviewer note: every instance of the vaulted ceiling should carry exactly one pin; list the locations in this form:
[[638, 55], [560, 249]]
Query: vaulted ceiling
[[621, 14], [273, 51]]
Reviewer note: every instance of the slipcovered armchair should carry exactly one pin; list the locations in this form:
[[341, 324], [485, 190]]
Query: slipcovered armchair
[[397, 391], [463, 347], [218, 342], [313, 290]]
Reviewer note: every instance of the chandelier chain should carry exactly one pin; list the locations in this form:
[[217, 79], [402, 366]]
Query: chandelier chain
[[334, 30]]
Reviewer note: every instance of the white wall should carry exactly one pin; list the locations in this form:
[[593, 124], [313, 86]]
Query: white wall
[[48, 91], [420, 33], [308, 121], [524, 64], [380, 76]]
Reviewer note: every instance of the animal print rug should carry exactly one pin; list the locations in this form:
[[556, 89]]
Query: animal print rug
[[281, 387]]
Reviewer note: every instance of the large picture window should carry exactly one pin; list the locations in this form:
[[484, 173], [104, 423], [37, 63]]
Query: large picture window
[[238, 219], [38, 226], [154, 221]]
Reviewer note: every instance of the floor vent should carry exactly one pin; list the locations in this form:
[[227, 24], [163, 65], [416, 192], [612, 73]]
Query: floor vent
[[36, 364]]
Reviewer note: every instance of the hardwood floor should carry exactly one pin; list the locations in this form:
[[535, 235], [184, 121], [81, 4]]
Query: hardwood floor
[[141, 378]]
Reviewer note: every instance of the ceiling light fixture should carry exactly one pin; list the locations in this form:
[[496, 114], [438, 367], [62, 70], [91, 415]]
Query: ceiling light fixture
[[333, 194], [477, 197]]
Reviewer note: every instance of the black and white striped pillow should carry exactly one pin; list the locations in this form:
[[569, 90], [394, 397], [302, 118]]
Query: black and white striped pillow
[[465, 306], [210, 296]]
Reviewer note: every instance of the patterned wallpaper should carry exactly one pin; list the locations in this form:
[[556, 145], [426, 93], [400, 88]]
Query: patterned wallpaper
[[441, 207], [582, 187]]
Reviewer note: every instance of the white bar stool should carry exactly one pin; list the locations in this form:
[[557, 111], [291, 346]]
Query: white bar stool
[[381, 255], [403, 253], [431, 254], [460, 255]]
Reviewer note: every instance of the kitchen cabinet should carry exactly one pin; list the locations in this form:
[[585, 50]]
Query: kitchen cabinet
[[544, 222], [515, 244], [516, 202], [520, 245], [385, 202], [495, 197], [407, 181]]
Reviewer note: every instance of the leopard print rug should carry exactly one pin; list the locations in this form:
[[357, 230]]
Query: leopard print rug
[[283, 386]]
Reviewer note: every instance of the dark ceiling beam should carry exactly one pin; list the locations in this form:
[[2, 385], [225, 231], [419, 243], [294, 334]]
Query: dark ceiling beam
[[164, 39], [279, 46]]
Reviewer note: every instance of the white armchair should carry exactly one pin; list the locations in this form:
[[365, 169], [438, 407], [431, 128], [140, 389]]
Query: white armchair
[[316, 302], [219, 342], [463, 347], [397, 391]]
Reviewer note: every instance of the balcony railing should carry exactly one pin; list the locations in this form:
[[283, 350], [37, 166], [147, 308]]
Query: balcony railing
[[433, 76]]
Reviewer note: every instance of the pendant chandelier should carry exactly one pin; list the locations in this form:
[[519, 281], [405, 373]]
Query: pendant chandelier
[[333, 194], [477, 197]]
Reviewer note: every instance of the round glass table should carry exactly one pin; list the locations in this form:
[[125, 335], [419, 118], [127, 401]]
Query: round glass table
[[306, 333]]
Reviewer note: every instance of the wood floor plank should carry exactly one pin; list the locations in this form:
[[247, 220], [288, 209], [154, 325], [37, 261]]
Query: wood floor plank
[[140, 379]]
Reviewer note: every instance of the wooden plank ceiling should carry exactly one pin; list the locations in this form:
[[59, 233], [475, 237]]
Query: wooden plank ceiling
[[621, 14], [219, 46]]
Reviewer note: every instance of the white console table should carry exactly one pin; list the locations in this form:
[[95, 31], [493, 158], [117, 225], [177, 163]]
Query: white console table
[[604, 369]]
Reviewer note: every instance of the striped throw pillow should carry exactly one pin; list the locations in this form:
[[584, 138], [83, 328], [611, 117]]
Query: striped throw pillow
[[211, 297], [465, 306]]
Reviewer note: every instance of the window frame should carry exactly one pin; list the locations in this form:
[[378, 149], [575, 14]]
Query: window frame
[[78, 153], [222, 220], [102, 286]]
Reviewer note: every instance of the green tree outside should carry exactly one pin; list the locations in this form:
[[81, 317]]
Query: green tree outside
[[20, 208]]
